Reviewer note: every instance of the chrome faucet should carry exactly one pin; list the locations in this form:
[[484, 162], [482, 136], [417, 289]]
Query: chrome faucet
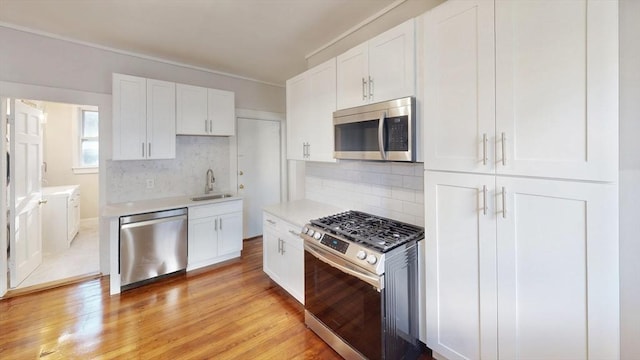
[[210, 181]]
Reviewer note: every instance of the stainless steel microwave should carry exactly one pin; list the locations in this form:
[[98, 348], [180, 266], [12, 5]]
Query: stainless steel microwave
[[381, 131]]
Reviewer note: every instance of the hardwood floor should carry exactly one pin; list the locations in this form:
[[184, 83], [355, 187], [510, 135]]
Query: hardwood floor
[[231, 312]]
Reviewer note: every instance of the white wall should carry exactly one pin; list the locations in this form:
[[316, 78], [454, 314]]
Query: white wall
[[629, 179], [58, 153]]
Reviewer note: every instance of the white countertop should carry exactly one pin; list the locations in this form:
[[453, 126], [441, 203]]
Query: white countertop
[[58, 190], [299, 212], [143, 206]]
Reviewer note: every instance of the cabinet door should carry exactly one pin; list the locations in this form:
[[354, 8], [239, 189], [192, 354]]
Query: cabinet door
[[129, 117], [460, 235], [297, 113], [293, 272], [271, 257], [557, 257], [229, 233], [353, 77], [557, 88], [192, 116], [322, 104], [392, 63], [161, 119], [459, 90], [202, 241], [222, 112]]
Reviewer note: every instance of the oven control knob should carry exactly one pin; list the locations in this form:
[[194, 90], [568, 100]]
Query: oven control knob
[[317, 236], [305, 230], [361, 255], [310, 232], [372, 259]]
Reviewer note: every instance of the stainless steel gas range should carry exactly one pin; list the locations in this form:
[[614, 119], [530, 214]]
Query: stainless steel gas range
[[361, 285]]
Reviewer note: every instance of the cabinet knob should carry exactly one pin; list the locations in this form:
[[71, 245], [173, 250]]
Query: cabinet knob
[[241, 186], [42, 201], [241, 173]]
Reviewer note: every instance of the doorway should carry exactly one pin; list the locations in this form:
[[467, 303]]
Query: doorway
[[259, 170], [54, 175]]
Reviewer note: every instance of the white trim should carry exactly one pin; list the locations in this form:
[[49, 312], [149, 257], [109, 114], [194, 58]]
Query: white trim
[[134, 54], [357, 27], [259, 115], [85, 170]]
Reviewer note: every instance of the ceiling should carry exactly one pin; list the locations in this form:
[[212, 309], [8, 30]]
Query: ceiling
[[266, 40]]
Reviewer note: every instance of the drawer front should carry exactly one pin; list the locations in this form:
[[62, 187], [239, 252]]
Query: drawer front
[[270, 222], [200, 211]]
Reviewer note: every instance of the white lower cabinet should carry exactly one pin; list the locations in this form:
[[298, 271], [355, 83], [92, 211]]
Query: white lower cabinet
[[520, 268], [60, 217], [283, 255], [214, 233]]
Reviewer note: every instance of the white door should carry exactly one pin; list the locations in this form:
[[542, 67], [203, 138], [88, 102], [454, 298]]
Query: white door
[[392, 63], [26, 234], [353, 77], [258, 170], [459, 105], [557, 88], [460, 234], [557, 255]]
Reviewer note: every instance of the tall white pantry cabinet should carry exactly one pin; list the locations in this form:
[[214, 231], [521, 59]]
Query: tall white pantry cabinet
[[521, 157]]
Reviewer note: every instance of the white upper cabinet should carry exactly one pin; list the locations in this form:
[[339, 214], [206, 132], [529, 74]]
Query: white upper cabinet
[[202, 111], [459, 91], [381, 69], [311, 101], [557, 88], [143, 118], [553, 110]]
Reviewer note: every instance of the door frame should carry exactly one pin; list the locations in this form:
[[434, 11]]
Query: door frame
[[233, 151], [51, 94]]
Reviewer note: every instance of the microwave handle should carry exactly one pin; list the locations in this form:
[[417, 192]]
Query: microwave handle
[[383, 152]]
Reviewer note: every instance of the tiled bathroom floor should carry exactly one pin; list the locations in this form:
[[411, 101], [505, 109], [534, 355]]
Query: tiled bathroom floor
[[81, 258]]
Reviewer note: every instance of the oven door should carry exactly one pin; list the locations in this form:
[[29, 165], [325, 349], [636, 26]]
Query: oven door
[[345, 299]]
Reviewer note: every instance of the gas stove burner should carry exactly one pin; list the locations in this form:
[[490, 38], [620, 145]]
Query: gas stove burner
[[377, 232]]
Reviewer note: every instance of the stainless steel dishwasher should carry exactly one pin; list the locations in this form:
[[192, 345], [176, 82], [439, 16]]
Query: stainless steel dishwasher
[[152, 244]]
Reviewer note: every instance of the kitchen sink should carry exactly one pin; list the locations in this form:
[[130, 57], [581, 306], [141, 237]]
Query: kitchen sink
[[210, 197]]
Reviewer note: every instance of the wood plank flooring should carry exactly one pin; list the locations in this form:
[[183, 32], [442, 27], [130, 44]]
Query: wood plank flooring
[[233, 311]]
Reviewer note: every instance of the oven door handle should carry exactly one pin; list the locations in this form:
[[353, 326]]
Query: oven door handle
[[336, 262]]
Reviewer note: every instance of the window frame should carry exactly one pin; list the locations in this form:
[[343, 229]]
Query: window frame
[[79, 167]]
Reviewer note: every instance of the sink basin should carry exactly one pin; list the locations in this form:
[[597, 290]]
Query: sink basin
[[210, 197]]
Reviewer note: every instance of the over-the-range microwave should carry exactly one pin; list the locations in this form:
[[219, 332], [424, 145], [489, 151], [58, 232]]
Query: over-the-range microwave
[[382, 131]]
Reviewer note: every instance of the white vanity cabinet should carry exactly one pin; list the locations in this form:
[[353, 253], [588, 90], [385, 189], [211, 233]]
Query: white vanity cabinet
[[60, 217], [144, 120], [311, 101], [380, 69], [203, 111], [214, 233], [283, 255]]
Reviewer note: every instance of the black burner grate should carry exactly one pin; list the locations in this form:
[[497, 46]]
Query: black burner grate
[[374, 231]]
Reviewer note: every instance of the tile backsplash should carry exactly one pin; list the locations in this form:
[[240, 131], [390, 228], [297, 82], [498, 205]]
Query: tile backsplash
[[393, 190], [184, 175]]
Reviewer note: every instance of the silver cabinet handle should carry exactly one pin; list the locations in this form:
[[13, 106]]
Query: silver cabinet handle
[[504, 149], [211, 126], [42, 201], [484, 149], [504, 203], [149, 154], [283, 251], [279, 246], [294, 232], [308, 150], [215, 226], [271, 222], [220, 223], [484, 199], [383, 152], [370, 88], [142, 149], [205, 126], [364, 91]]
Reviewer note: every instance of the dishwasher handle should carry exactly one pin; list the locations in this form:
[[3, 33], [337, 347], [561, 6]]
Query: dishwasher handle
[[136, 218], [152, 222]]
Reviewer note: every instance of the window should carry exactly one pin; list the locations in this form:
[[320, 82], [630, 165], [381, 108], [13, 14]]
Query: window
[[88, 138]]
